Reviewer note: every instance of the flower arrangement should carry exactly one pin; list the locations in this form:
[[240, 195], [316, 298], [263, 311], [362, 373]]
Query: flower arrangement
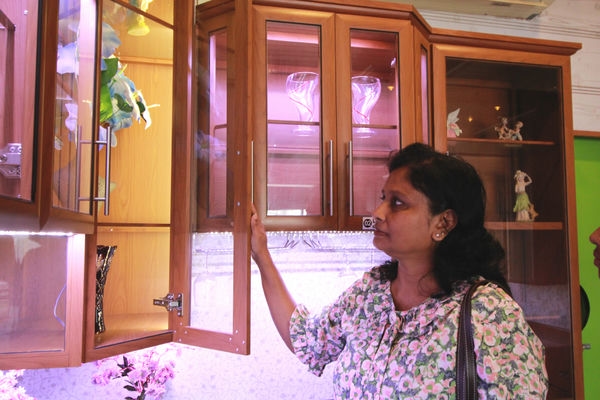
[[9, 386], [120, 102], [145, 372]]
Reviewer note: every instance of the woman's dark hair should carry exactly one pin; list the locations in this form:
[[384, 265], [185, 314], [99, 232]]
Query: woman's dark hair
[[449, 182]]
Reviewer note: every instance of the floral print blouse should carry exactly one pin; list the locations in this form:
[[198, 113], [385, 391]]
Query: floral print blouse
[[382, 353]]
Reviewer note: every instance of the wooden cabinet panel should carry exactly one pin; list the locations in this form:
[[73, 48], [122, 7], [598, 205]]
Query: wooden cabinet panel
[[139, 273]]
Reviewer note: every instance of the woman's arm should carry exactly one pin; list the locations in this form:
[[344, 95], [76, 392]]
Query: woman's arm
[[280, 302]]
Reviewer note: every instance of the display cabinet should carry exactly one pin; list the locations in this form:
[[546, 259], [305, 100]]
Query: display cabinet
[[333, 90], [17, 138], [280, 109], [41, 293], [48, 283], [46, 162], [508, 112], [138, 39], [48, 69]]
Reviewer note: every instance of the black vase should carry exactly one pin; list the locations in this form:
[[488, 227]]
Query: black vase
[[104, 255]]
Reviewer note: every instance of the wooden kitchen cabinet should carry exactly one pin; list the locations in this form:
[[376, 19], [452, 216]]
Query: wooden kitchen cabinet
[[49, 67], [304, 164], [47, 100], [184, 178], [138, 219], [332, 94], [48, 279], [528, 85]]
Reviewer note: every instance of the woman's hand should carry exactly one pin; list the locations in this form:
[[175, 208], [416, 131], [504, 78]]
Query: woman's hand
[[258, 240]]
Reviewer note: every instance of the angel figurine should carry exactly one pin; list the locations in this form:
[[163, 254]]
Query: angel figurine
[[452, 128], [523, 206], [515, 133], [503, 130]]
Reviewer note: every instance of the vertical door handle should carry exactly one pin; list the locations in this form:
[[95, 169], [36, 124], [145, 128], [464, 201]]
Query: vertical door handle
[[331, 178], [350, 179], [106, 198]]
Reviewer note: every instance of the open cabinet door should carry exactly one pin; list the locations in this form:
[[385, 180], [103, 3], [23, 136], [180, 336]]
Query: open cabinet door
[[210, 263]]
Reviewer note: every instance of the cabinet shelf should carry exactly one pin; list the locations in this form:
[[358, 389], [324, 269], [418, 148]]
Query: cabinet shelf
[[505, 143], [29, 341], [127, 327], [481, 147], [524, 226]]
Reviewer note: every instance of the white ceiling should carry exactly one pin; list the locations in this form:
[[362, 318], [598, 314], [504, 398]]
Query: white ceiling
[[521, 9]]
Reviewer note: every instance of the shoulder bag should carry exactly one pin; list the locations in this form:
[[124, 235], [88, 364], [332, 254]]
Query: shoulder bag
[[466, 366]]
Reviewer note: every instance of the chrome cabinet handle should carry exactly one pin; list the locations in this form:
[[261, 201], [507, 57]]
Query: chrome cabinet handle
[[350, 178], [331, 178], [78, 144], [106, 198], [252, 171]]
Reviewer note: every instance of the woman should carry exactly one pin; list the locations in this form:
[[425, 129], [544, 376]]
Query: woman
[[595, 239], [393, 333]]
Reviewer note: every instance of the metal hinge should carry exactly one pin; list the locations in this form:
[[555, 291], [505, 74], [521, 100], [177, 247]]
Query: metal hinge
[[10, 161], [171, 303]]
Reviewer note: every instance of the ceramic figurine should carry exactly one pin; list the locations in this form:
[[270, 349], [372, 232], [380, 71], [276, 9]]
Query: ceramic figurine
[[503, 130], [515, 133], [452, 128], [523, 206]]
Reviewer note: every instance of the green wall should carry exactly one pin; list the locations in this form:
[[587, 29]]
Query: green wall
[[587, 183]]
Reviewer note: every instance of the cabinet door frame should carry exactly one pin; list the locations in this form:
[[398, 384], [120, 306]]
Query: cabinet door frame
[[325, 21], [406, 105], [183, 185], [38, 214]]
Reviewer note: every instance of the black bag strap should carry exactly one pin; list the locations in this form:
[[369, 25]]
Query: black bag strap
[[466, 366]]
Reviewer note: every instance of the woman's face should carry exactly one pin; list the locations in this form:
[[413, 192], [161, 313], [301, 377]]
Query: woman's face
[[404, 227]]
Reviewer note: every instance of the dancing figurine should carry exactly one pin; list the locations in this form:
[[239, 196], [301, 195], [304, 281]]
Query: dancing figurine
[[523, 206]]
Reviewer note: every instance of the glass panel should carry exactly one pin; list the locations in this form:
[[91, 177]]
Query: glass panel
[[212, 282], [139, 272], [212, 140], [33, 292], [18, 66], [425, 133], [212, 246], [375, 114], [136, 22], [74, 107], [136, 102], [294, 154], [509, 125]]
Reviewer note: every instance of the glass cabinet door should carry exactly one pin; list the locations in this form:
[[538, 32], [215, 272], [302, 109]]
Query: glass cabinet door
[[136, 127], [335, 109], [74, 107], [375, 109], [18, 71], [294, 153], [374, 84], [219, 301], [294, 141], [40, 301], [507, 120]]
